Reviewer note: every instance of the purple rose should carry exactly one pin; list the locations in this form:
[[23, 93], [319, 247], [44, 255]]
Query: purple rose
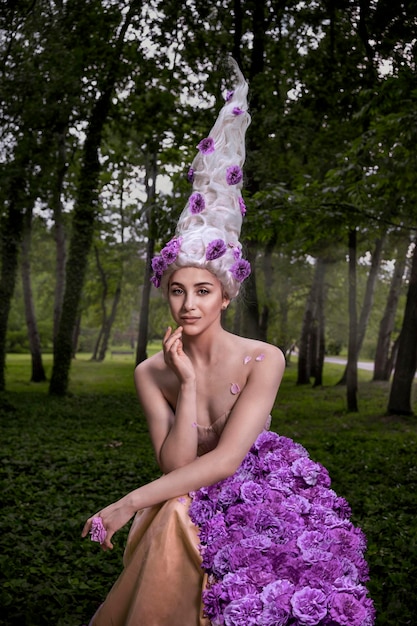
[[159, 264], [156, 280], [213, 530], [278, 594], [202, 510], [307, 470], [240, 270], [190, 175], [242, 206], [309, 605], [343, 542], [237, 253], [273, 615], [298, 503], [196, 203], [346, 610], [229, 494], [220, 564], [174, 244], [237, 111], [213, 603], [238, 585], [233, 175], [252, 492], [215, 249], [97, 530], [169, 254], [206, 146], [229, 95], [243, 612], [259, 542]]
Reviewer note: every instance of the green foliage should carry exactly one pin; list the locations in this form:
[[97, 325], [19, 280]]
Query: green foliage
[[63, 459]]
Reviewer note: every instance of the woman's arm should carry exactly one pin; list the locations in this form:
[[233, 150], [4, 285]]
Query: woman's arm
[[245, 423], [174, 437]]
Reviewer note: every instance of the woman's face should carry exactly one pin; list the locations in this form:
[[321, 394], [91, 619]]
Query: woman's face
[[196, 299]]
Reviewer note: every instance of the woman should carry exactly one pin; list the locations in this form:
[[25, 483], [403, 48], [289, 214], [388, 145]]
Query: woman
[[226, 522]]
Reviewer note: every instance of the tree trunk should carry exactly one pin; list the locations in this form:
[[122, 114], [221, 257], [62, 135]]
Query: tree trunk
[[383, 360], [367, 300], [405, 367], [250, 306], [305, 344], [103, 307], [320, 343], [38, 372], [352, 364], [269, 280], [83, 221], [369, 292], [97, 345], [142, 343], [11, 234], [75, 336], [59, 233], [109, 323]]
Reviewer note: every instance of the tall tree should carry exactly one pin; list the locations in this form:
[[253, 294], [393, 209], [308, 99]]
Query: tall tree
[[384, 360], [83, 218], [38, 371], [399, 402]]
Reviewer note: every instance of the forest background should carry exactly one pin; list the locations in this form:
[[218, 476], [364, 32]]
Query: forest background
[[102, 105]]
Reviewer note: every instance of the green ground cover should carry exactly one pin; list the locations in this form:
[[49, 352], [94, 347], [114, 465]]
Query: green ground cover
[[63, 459]]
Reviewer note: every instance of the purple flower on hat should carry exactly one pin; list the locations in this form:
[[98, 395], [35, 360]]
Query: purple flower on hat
[[206, 146], [229, 95], [169, 254], [242, 206], [159, 264], [237, 111], [190, 175], [237, 253], [234, 175], [240, 270], [196, 203], [215, 249], [156, 280]]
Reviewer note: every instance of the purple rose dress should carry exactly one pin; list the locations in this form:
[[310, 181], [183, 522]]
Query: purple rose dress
[[272, 545]]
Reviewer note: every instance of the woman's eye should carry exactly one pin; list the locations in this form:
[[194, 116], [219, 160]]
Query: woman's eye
[[176, 292], [203, 292]]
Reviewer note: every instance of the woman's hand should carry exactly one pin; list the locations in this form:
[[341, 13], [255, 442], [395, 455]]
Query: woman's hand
[[175, 357], [113, 517]]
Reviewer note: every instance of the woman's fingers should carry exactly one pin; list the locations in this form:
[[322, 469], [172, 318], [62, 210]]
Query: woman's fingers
[[171, 338], [87, 527]]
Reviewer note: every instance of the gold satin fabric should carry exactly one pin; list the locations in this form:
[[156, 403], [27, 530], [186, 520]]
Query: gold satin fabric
[[162, 580]]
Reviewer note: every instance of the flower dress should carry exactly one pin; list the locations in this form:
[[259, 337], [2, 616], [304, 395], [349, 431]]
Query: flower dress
[[272, 545]]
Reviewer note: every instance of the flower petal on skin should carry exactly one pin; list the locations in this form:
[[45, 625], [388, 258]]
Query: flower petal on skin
[[260, 357], [234, 388], [247, 359]]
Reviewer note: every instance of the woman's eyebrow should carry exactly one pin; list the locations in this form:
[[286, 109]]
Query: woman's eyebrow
[[195, 284]]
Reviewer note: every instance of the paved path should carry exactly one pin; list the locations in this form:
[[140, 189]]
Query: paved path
[[363, 365]]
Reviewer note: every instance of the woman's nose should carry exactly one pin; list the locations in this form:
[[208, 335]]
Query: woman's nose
[[189, 302]]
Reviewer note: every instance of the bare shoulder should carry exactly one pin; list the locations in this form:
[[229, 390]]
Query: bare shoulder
[[152, 370], [259, 351]]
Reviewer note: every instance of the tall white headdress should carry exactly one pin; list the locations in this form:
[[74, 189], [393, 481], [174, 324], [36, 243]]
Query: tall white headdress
[[208, 229]]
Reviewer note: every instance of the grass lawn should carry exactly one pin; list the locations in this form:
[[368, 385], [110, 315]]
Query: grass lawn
[[63, 459]]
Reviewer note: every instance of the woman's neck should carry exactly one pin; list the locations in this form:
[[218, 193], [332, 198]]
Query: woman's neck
[[206, 349]]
